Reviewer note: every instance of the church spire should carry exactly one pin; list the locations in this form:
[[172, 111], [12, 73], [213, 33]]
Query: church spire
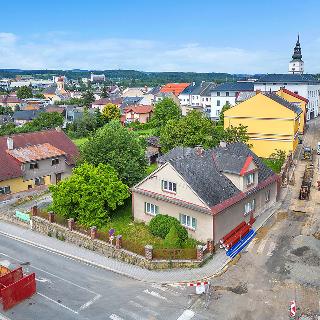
[[297, 50]]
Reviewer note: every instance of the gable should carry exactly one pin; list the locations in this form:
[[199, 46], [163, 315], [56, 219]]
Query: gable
[[260, 106], [153, 183]]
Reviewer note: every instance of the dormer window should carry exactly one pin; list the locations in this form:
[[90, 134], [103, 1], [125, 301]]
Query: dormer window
[[33, 165], [169, 186], [250, 179]]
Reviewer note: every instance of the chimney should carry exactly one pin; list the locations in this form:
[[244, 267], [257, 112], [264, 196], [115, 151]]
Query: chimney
[[10, 143], [223, 144], [199, 151]]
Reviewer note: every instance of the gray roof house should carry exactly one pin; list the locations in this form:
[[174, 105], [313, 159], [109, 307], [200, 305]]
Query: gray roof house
[[209, 191]]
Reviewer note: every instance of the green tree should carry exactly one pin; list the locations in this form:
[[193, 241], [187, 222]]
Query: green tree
[[164, 111], [110, 112], [88, 98], [45, 120], [227, 106], [89, 195], [192, 130], [235, 134], [172, 240], [24, 92], [276, 160], [104, 93], [119, 147]]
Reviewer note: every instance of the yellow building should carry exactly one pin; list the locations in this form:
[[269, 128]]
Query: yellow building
[[299, 101], [272, 123]]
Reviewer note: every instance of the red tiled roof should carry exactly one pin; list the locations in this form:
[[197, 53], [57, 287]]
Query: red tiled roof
[[175, 88], [35, 152], [294, 95], [9, 99], [11, 168], [141, 109], [246, 165], [54, 109]]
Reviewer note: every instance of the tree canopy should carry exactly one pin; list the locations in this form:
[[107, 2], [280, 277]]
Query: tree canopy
[[164, 111], [24, 92], [226, 107], [89, 195], [87, 98], [119, 147], [110, 112]]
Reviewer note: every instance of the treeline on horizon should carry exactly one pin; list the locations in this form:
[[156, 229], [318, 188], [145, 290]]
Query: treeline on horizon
[[127, 77]]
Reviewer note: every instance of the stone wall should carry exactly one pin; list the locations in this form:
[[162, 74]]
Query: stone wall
[[10, 217], [43, 226]]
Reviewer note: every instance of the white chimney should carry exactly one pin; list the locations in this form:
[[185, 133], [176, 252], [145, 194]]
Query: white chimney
[[10, 143], [223, 144]]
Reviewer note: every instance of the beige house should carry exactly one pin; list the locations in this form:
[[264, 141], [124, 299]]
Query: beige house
[[210, 192], [138, 113]]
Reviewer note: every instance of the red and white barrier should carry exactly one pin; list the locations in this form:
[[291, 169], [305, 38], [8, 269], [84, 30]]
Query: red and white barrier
[[195, 284]]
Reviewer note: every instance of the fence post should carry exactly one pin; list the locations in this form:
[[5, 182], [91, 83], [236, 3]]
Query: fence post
[[199, 253], [148, 252], [119, 242], [93, 232], [70, 224], [51, 216], [34, 210], [210, 246]]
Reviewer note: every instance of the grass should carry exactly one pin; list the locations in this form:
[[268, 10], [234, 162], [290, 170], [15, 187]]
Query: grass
[[144, 133], [151, 168], [79, 141]]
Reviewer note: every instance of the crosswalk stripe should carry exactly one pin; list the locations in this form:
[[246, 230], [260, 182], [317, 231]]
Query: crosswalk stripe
[[165, 289], [115, 317], [144, 308], [155, 294], [271, 248], [131, 314], [261, 247], [186, 315], [150, 302]]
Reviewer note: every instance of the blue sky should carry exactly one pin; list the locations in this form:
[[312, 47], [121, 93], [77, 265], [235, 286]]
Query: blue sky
[[178, 35]]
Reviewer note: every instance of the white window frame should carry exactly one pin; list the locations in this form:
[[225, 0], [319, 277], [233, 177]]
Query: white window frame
[[249, 207], [268, 195], [5, 190], [33, 165], [169, 186], [40, 179], [150, 208], [250, 179], [188, 221]]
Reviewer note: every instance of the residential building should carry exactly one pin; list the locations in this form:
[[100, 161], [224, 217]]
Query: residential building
[[22, 117], [153, 149], [296, 65], [32, 159], [206, 99], [175, 88], [272, 123], [100, 104], [161, 95], [304, 85], [97, 77], [209, 191], [227, 93], [134, 92], [138, 113], [10, 101], [56, 92], [299, 101]]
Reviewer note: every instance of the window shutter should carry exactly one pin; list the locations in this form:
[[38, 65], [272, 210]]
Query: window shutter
[[157, 210], [194, 223], [145, 207]]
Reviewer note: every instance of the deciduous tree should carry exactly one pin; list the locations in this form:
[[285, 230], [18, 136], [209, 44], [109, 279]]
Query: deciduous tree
[[111, 112], [24, 92]]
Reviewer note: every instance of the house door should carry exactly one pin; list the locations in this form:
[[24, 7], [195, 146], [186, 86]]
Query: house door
[[58, 177]]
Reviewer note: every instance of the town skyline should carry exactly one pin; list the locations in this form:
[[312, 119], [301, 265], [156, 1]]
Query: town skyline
[[216, 37]]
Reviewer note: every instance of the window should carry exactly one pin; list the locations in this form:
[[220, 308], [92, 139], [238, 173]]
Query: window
[[249, 207], [54, 161], [5, 190], [39, 181], [218, 103], [250, 179], [169, 186], [151, 208], [188, 221], [34, 165], [268, 196], [296, 92], [217, 113], [227, 94], [207, 99], [218, 94]]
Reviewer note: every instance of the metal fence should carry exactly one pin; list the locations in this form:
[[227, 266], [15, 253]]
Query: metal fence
[[175, 254]]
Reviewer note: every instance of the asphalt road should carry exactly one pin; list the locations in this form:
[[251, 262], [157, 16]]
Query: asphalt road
[[68, 289]]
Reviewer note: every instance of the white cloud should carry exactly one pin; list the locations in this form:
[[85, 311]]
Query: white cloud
[[65, 51]]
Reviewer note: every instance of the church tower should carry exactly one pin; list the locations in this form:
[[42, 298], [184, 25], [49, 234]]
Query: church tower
[[296, 65]]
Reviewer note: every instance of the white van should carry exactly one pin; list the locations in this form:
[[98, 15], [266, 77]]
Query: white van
[[318, 148]]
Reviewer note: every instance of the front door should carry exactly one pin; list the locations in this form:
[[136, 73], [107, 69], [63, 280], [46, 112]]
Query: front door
[[58, 177]]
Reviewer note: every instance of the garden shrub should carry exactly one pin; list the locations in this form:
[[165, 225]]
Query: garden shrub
[[172, 240], [160, 226]]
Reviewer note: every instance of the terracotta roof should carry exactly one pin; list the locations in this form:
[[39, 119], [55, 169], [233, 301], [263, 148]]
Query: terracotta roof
[[141, 109], [54, 109], [294, 95], [36, 152], [11, 168], [9, 99], [175, 88]]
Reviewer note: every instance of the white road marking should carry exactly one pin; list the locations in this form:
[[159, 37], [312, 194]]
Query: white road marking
[[58, 303], [2, 317], [165, 289], [250, 245], [43, 280], [89, 303], [271, 248], [115, 317], [155, 294], [51, 274], [144, 308], [186, 315], [150, 302], [261, 247], [131, 314]]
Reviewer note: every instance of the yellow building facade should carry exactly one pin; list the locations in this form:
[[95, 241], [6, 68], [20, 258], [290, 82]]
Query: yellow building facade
[[272, 123], [300, 101], [19, 185]]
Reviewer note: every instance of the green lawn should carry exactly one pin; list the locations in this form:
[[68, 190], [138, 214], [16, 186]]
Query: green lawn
[[145, 133], [79, 141]]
